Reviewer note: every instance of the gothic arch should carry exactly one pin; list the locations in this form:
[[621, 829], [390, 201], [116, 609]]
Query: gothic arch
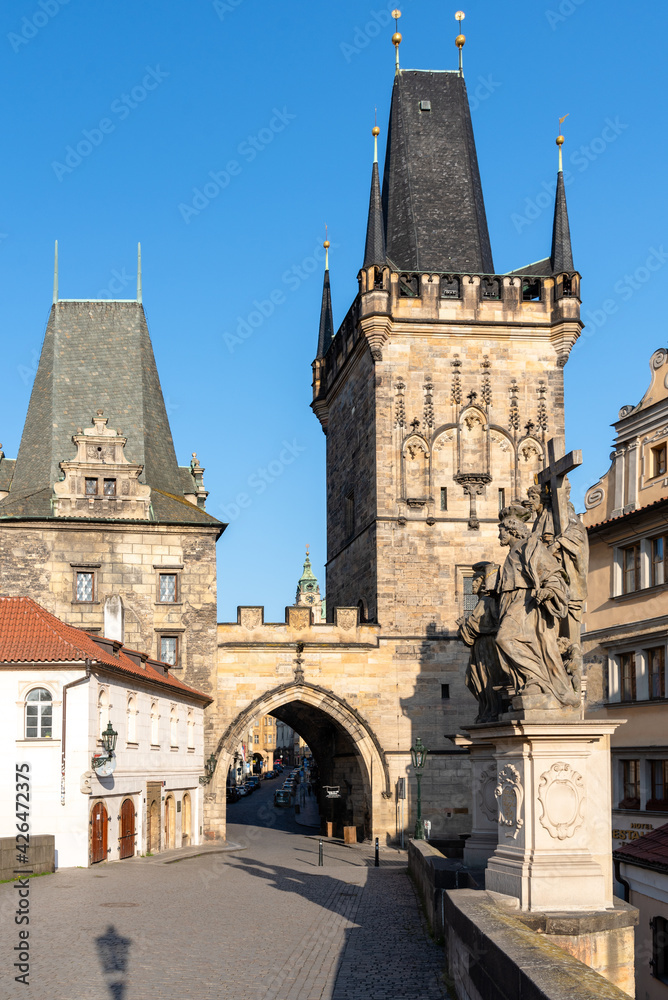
[[415, 454], [372, 759]]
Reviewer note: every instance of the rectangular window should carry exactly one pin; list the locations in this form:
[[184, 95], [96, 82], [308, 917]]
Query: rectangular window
[[85, 587], [627, 672], [169, 649], [168, 588], [659, 460], [658, 776], [110, 487], [470, 599], [631, 568], [444, 497], [349, 510], [656, 672], [445, 690], [268, 737], [502, 499], [256, 738], [91, 487], [658, 561], [659, 962], [630, 785]]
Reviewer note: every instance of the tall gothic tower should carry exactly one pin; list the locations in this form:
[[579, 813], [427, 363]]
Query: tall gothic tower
[[98, 522], [445, 379]]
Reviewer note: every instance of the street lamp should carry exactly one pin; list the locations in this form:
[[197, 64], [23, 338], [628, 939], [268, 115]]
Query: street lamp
[[419, 757], [109, 737], [209, 767]]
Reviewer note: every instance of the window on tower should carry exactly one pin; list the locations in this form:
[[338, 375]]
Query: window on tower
[[85, 587], [110, 487], [349, 512], [91, 487], [531, 290], [444, 497]]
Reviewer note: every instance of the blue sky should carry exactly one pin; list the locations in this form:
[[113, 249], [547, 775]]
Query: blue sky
[[276, 101]]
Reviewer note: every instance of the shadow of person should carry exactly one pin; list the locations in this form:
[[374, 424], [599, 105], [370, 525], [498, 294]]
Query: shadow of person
[[113, 951]]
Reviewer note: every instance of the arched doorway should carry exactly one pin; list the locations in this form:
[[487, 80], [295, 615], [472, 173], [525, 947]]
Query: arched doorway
[[170, 822], [126, 832], [186, 821], [153, 817], [347, 753], [99, 820]]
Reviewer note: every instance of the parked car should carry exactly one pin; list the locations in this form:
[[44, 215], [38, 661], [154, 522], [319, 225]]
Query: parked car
[[232, 795], [269, 775], [253, 782], [282, 798], [243, 790]]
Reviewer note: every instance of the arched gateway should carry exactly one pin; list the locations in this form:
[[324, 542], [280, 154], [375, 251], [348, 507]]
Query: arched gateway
[[347, 751]]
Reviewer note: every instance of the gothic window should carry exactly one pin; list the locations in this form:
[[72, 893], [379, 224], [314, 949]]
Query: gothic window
[[155, 725], [491, 288], [377, 277], [659, 460], [132, 719], [85, 587], [91, 487], [169, 649], [656, 671], [409, 286], [658, 785], [659, 963], [110, 487], [531, 290], [567, 286], [630, 784], [450, 287], [631, 568], [168, 588], [173, 727], [627, 673], [659, 552], [444, 497], [39, 714], [473, 442], [349, 513], [102, 712], [191, 729]]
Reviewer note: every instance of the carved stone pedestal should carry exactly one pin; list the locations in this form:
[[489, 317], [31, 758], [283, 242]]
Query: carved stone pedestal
[[481, 844], [554, 812]]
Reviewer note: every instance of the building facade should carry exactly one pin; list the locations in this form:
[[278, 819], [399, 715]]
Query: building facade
[[626, 637], [64, 688]]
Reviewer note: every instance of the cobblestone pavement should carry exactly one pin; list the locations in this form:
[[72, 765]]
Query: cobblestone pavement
[[258, 922]]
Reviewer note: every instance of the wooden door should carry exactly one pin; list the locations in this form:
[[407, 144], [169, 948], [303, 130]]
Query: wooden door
[[126, 839], [186, 821], [170, 822], [98, 833]]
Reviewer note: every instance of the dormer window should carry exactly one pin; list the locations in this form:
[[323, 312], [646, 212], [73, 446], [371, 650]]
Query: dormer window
[[91, 487], [110, 487]]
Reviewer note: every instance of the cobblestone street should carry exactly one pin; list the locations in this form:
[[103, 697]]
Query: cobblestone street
[[259, 922]]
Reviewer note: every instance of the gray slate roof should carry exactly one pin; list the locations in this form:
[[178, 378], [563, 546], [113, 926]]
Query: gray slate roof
[[326, 330], [374, 249], [561, 255], [432, 196], [98, 355]]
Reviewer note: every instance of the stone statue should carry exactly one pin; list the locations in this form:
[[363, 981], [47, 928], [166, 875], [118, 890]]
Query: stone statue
[[533, 600], [483, 675], [571, 547]]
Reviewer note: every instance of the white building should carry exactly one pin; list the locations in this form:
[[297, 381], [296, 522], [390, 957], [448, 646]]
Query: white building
[[59, 689]]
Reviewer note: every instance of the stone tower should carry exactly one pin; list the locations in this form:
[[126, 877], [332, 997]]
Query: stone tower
[[308, 590], [445, 379], [98, 522]]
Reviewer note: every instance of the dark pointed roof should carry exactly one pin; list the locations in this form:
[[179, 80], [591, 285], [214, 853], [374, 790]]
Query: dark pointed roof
[[432, 196], [326, 333], [98, 356], [561, 256], [374, 250]]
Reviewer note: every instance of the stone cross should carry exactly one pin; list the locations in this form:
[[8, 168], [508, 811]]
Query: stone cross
[[553, 476]]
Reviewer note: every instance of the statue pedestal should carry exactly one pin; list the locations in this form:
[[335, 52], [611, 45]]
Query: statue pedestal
[[480, 846], [553, 796]]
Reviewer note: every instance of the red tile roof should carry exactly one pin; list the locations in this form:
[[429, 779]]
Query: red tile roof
[[629, 513], [29, 634], [652, 849]]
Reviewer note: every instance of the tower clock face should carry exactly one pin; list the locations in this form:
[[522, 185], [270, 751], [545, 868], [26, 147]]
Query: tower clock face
[[310, 598]]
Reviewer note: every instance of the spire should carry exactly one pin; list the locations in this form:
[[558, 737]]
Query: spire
[[326, 334], [308, 590], [374, 250], [308, 576], [396, 38], [561, 256]]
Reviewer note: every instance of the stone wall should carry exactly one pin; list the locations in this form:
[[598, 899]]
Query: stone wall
[[41, 855]]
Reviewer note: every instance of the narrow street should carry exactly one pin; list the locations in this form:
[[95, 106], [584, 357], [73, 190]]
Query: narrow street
[[258, 922]]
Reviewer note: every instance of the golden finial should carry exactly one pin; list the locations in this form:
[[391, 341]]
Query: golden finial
[[375, 132], [460, 40], [560, 142], [326, 245], [396, 37]]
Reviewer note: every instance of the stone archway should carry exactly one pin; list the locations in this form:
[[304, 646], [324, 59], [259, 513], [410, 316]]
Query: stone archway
[[346, 749]]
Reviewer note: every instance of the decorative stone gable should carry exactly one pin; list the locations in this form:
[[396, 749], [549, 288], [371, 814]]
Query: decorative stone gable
[[100, 482]]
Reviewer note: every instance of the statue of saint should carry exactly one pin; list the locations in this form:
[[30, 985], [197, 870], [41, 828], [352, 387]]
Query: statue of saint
[[533, 600], [478, 630]]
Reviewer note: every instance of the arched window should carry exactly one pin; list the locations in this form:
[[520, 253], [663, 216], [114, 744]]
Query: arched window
[[155, 721], [173, 727], [132, 719], [39, 714], [191, 729], [102, 711]]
